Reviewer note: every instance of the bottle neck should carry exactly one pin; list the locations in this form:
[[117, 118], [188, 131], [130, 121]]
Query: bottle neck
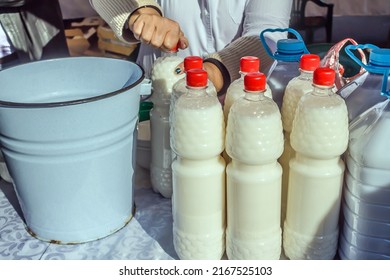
[[254, 96], [322, 90], [306, 75], [197, 91], [169, 54]]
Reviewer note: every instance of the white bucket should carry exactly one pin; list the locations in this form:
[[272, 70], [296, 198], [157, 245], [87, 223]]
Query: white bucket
[[67, 132]]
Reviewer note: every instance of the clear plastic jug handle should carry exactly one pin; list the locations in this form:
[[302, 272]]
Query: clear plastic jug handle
[[350, 48], [332, 60], [290, 30]]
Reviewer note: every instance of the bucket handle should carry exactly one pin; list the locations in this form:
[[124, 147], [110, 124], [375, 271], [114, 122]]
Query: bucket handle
[[290, 30], [386, 72]]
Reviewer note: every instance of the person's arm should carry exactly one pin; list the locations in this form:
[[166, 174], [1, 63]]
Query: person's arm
[[117, 13], [141, 21], [258, 15], [223, 66]]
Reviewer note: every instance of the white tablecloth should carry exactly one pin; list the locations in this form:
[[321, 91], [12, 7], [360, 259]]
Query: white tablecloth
[[147, 236]]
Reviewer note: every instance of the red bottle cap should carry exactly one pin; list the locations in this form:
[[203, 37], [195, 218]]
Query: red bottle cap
[[193, 62], [249, 64], [196, 78], [324, 76], [309, 62], [254, 81]]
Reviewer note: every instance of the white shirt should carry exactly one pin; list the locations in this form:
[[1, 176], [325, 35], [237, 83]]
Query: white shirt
[[211, 25], [5, 46]]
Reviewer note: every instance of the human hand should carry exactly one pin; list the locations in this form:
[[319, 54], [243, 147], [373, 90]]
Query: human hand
[[149, 27]]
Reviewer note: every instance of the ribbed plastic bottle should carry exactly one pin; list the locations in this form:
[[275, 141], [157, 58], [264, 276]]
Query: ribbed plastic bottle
[[163, 77], [198, 200], [286, 65], [248, 64], [365, 230], [295, 89], [254, 141], [319, 137]]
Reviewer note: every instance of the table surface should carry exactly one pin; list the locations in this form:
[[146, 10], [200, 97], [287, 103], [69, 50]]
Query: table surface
[[147, 236]]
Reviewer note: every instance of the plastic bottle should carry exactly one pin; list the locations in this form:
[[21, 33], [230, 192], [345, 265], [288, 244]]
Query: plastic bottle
[[163, 77], [198, 200], [365, 230], [180, 87], [254, 141], [295, 89], [362, 93], [319, 136], [286, 64], [248, 64]]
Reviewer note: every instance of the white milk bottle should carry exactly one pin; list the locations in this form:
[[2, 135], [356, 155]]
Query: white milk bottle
[[295, 89], [180, 87], [248, 64], [319, 137], [254, 141], [163, 77], [198, 172]]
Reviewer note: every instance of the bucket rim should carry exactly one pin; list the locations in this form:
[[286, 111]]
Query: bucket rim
[[27, 105]]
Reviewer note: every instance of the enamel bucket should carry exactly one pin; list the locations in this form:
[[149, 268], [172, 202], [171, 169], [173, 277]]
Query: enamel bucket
[[67, 133]]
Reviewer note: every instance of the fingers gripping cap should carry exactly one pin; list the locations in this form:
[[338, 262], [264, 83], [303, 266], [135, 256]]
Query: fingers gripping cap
[[254, 81], [193, 62], [324, 76], [309, 62], [196, 78], [249, 64]]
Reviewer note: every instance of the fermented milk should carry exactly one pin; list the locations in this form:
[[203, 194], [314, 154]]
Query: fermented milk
[[198, 200], [295, 89], [248, 64], [254, 141], [163, 77], [319, 136], [180, 87]]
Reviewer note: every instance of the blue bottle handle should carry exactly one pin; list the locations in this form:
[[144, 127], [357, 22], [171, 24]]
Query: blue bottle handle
[[385, 72], [266, 47]]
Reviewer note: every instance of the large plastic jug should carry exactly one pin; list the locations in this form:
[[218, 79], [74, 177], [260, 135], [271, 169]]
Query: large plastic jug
[[364, 92], [366, 198], [286, 65]]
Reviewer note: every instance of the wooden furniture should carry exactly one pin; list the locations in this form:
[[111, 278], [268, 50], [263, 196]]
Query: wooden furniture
[[309, 24]]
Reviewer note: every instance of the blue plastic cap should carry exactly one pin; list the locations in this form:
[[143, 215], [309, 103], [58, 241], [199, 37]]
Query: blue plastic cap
[[380, 57], [290, 49]]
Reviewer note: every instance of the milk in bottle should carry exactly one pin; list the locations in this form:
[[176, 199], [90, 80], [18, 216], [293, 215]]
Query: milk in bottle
[[319, 137], [295, 89], [254, 141], [198, 200], [163, 77]]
